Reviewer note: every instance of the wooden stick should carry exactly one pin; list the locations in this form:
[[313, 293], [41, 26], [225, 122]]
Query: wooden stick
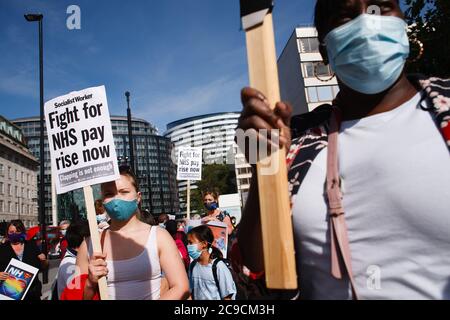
[[188, 200], [95, 237], [276, 220]]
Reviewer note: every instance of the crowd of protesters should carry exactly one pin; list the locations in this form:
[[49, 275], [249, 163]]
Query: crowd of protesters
[[393, 132]]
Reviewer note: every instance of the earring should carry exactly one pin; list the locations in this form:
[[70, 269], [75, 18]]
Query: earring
[[317, 77], [421, 50]]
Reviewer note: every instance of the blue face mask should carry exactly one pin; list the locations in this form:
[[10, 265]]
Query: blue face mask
[[102, 218], [17, 237], [211, 206], [121, 210], [193, 251], [369, 53]]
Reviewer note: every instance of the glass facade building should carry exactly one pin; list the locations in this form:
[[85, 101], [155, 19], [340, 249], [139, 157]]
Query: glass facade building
[[154, 167]]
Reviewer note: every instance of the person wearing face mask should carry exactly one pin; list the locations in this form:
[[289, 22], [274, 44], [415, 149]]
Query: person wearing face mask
[[134, 255], [162, 220], [367, 175], [76, 233], [211, 203], [210, 279], [101, 215], [63, 226], [19, 248]]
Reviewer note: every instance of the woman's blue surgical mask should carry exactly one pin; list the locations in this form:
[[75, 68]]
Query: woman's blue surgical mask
[[121, 210], [369, 53], [17, 237], [211, 206], [193, 251]]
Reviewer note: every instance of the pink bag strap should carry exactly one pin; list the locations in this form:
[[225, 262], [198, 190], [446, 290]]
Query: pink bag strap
[[340, 250]]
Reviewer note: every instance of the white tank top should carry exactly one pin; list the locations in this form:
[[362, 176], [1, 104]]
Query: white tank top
[[138, 278]]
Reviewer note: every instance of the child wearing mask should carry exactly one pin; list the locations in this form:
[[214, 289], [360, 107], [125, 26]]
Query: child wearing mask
[[210, 278]]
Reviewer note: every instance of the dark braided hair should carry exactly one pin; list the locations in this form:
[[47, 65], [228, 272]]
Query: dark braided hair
[[204, 233]]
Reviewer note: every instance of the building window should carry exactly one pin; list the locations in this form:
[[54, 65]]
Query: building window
[[10, 192], [10, 173], [2, 170], [312, 94], [308, 69], [322, 70], [2, 206], [17, 175], [322, 94], [325, 93], [10, 207], [308, 45], [23, 177], [2, 188]]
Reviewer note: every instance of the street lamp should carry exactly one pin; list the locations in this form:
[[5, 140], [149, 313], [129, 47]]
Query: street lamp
[[39, 18], [130, 132]]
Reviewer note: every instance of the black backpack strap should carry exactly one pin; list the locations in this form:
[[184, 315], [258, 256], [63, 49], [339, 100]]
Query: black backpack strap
[[191, 268], [216, 279]]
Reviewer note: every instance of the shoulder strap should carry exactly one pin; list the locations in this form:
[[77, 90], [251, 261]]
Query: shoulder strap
[[216, 279], [438, 93], [340, 249], [191, 268]]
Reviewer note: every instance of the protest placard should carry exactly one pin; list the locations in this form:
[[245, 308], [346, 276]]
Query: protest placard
[[190, 224], [80, 139], [189, 163], [20, 278], [219, 230], [82, 150], [189, 168]]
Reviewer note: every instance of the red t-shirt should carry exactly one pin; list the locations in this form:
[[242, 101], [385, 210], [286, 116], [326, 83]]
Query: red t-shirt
[[183, 251]]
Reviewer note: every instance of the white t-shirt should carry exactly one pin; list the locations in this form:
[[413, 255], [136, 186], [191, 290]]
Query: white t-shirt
[[66, 271], [395, 168]]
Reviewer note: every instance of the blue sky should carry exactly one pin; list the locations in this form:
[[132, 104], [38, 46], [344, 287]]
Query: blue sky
[[178, 58]]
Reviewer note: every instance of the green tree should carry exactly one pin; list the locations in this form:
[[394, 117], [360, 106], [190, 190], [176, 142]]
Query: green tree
[[430, 24], [220, 178]]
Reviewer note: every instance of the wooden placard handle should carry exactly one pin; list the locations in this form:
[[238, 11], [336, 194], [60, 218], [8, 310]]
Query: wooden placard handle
[[95, 236], [276, 220]]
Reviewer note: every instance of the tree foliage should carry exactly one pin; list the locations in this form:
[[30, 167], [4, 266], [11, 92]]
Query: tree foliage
[[430, 24], [220, 178]]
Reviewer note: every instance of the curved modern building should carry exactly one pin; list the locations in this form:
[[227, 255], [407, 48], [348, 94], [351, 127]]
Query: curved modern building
[[154, 168], [214, 133]]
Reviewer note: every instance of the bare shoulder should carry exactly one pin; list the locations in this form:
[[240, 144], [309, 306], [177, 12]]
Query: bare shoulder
[[163, 238]]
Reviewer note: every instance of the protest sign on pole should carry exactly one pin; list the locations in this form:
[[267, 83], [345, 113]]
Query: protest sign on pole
[[189, 168], [188, 200], [82, 149], [276, 220]]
